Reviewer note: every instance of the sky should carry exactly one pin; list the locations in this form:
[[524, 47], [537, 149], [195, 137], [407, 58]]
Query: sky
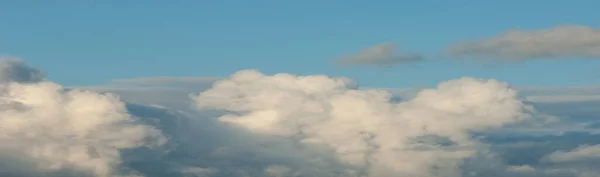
[[299, 88], [201, 38]]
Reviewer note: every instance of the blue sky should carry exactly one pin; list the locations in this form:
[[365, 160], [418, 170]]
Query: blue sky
[[86, 43]]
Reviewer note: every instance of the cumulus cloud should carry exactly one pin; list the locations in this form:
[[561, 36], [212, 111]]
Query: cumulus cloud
[[384, 54], [428, 135], [567, 41], [46, 130], [255, 125], [200, 145]]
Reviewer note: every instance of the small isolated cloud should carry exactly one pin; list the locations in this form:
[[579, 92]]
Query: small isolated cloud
[[384, 54], [559, 42]]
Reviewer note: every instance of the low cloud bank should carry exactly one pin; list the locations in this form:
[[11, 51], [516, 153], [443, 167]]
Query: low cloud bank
[[254, 125]]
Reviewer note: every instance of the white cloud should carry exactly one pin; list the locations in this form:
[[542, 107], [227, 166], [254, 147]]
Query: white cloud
[[384, 54], [199, 172], [53, 131], [518, 45], [278, 171], [362, 127], [584, 152], [325, 142]]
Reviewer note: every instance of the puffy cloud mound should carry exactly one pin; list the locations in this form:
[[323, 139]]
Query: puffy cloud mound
[[427, 136], [46, 130]]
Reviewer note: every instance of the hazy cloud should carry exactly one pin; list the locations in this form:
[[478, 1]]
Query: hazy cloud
[[172, 92], [14, 70], [384, 54], [518, 45], [165, 82], [579, 154], [561, 94]]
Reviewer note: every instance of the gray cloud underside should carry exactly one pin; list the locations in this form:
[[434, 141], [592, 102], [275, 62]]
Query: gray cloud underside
[[385, 54], [560, 42]]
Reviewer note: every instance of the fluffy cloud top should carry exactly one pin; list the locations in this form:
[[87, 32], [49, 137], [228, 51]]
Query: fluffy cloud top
[[46, 130], [519, 45], [424, 137], [285, 125], [384, 54]]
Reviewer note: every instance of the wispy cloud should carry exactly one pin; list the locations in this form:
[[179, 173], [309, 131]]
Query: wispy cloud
[[171, 92], [164, 82], [560, 42], [385, 54]]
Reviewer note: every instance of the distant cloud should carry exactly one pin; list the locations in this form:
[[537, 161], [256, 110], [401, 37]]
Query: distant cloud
[[165, 82], [559, 42], [583, 152], [561, 94], [384, 54], [171, 92], [14, 70]]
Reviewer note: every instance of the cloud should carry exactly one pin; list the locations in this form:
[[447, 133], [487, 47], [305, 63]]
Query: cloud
[[165, 82], [255, 125], [48, 131], [380, 55], [171, 92], [579, 154], [201, 145], [560, 42], [14, 70], [199, 172], [428, 135]]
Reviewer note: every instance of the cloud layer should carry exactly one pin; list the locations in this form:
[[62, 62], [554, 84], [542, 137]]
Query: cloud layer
[[384, 54], [560, 42], [255, 125]]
